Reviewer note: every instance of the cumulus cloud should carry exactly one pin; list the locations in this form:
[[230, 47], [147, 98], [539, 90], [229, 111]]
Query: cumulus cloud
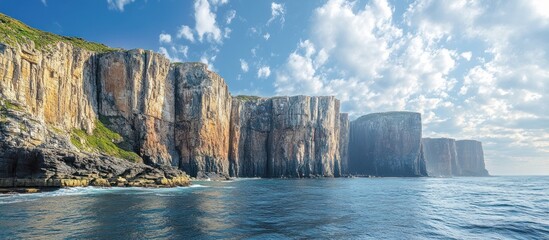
[[277, 12], [165, 38], [118, 4], [373, 62], [466, 55], [266, 36], [185, 32], [264, 72], [206, 25], [244, 66]]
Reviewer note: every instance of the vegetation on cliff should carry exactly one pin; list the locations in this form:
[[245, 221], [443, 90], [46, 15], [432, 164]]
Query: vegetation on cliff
[[247, 97], [102, 140], [15, 32]]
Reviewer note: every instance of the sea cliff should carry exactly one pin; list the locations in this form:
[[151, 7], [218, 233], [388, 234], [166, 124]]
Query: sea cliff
[[74, 113]]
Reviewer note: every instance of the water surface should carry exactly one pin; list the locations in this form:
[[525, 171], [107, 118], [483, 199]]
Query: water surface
[[358, 208]]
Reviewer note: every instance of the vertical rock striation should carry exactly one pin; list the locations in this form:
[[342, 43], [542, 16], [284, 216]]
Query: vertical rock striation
[[440, 157], [387, 144], [202, 117], [56, 86], [344, 142], [136, 97], [285, 137], [471, 158]]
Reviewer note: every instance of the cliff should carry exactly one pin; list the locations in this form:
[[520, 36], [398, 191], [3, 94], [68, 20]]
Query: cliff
[[285, 137], [73, 110], [440, 157], [471, 158], [386, 144]]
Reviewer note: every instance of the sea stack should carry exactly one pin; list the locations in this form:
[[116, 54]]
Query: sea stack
[[387, 144], [471, 158], [440, 157]]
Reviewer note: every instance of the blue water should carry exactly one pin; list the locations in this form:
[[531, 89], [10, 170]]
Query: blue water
[[388, 208]]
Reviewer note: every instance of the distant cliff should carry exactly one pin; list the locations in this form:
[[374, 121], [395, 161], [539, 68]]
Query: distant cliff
[[440, 157], [386, 144], [471, 158]]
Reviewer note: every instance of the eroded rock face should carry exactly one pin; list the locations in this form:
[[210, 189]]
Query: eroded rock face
[[471, 158], [34, 155], [386, 144], [202, 118], [285, 137], [57, 86], [344, 142], [440, 157], [136, 97]]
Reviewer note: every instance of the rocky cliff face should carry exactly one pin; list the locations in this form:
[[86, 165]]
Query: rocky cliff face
[[344, 142], [57, 86], [387, 144], [203, 111], [136, 97], [471, 158], [440, 157], [285, 137]]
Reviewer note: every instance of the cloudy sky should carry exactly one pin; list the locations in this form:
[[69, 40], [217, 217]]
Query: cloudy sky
[[474, 69]]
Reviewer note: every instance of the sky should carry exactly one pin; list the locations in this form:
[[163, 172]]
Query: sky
[[473, 69]]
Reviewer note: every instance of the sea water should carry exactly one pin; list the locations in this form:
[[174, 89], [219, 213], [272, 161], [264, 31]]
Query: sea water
[[356, 208]]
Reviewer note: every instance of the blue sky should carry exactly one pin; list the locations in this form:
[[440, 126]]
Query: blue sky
[[474, 69]]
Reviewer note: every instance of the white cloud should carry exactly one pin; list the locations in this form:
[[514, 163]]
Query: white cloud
[[277, 11], [183, 50], [205, 22], [219, 2], [165, 52], [230, 16], [264, 72], [44, 2], [118, 4], [466, 55], [244, 65], [165, 38], [185, 32], [267, 36]]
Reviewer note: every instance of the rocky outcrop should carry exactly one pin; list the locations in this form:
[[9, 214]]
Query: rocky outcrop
[[386, 144], [33, 154], [440, 157], [285, 137], [203, 110], [471, 158]]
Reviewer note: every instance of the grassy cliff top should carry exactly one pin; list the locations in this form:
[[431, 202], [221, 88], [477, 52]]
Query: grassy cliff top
[[13, 31], [247, 97]]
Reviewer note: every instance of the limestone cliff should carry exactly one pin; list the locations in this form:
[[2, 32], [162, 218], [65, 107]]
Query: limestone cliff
[[136, 97], [285, 137], [471, 158], [386, 144], [203, 110], [344, 142], [440, 157]]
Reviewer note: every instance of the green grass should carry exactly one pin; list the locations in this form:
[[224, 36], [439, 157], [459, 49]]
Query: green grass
[[102, 140], [13, 31], [247, 98]]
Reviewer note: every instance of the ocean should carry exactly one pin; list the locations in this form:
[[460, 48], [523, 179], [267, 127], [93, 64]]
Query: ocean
[[340, 208]]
